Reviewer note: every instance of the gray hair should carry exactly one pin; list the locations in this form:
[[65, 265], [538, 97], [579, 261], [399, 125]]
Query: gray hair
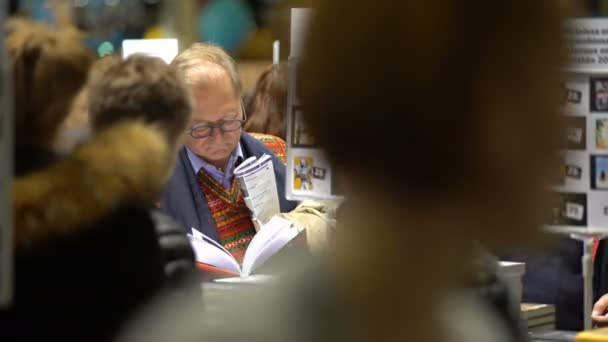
[[202, 60]]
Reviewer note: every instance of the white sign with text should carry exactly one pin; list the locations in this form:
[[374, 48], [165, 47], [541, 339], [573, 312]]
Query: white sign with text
[[587, 43]]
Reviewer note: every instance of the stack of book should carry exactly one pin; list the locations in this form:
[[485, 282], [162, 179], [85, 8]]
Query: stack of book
[[538, 317], [554, 336]]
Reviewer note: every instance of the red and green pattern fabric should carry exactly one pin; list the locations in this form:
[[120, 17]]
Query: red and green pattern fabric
[[275, 144], [231, 215]]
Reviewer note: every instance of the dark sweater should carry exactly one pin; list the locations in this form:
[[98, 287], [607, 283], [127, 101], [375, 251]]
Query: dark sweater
[[85, 282]]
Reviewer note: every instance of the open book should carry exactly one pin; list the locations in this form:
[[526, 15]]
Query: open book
[[271, 238], [259, 188]]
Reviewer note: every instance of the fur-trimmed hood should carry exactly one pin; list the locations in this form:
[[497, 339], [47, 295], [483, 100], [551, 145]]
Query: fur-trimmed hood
[[130, 161]]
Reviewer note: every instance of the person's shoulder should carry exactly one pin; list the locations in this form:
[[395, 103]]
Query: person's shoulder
[[259, 144], [267, 138], [94, 181]]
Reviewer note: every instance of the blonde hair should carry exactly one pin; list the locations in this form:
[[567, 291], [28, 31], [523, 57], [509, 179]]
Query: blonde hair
[[201, 61]]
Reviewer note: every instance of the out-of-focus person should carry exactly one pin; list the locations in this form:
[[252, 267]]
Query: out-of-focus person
[[140, 88], [430, 206], [75, 129], [203, 193], [87, 251], [49, 69], [266, 109], [146, 89], [268, 103]]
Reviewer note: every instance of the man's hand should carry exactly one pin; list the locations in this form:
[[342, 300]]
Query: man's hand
[[600, 309]]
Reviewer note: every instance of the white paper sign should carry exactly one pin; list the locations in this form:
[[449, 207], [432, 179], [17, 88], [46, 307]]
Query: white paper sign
[[166, 49], [309, 173], [588, 44]]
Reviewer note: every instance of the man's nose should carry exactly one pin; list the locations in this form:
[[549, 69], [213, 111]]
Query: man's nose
[[216, 133]]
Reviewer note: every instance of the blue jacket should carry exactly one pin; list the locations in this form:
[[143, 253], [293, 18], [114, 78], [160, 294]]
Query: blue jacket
[[184, 200]]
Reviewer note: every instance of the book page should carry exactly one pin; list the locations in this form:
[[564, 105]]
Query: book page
[[256, 279], [209, 252], [272, 237]]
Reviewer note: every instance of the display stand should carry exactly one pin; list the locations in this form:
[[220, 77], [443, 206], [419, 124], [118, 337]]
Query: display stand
[[580, 210], [309, 174], [586, 236]]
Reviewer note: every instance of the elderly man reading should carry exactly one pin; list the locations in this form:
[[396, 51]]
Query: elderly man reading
[[202, 193]]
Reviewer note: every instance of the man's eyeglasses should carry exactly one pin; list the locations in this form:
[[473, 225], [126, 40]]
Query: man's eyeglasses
[[206, 130]]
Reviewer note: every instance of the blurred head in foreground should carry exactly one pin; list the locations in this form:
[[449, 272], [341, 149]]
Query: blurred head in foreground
[[144, 88], [442, 119]]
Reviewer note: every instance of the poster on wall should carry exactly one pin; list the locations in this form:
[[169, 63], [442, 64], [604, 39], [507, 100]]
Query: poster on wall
[[569, 209], [574, 172], [581, 191], [598, 96], [601, 133], [311, 174], [576, 133], [575, 95], [581, 170]]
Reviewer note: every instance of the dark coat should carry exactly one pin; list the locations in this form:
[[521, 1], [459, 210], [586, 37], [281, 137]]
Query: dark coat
[[185, 202], [555, 277], [82, 282]]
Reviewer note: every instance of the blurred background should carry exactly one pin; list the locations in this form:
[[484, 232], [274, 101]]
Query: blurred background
[[245, 28]]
